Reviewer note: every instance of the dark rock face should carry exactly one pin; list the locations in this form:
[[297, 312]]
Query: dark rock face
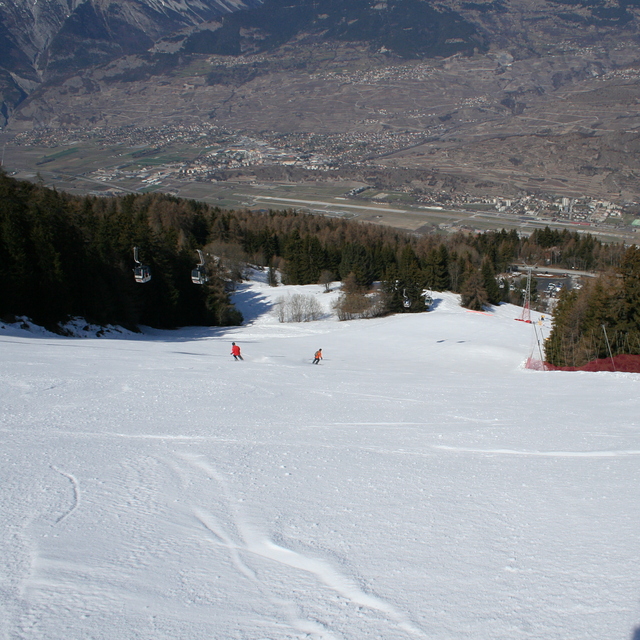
[[39, 41], [408, 28], [51, 38]]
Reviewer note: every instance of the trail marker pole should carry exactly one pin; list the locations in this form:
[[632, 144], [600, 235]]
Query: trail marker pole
[[606, 337]]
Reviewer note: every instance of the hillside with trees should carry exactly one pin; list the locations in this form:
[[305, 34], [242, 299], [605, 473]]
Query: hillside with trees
[[63, 256], [600, 320]]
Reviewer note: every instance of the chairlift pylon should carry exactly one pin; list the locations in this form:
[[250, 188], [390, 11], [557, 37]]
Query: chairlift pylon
[[199, 273], [141, 272], [526, 306]]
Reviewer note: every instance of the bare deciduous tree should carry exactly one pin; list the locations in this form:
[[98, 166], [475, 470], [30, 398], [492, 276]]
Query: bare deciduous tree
[[351, 306], [298, 308], [326, 278]]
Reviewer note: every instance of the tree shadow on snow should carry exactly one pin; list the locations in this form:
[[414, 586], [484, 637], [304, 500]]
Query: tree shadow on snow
[[636, 634], [251, 305]]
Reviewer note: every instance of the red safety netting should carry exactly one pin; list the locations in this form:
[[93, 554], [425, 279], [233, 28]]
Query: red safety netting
[[626, 363]]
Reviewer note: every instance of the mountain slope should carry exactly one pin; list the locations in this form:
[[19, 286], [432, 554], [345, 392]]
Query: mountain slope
[[44, 39], [505, 97], [417, 484], [409, 28]]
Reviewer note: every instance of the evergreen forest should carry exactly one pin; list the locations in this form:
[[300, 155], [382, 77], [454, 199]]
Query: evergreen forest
[[600, 320], [65, 256]]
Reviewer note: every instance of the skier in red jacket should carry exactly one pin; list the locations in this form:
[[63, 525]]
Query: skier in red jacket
[[317, 356], [235, 351]]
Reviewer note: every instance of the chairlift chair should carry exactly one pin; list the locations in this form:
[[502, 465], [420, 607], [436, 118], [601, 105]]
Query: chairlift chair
[[199, 273], [141, 272], [406, 302]]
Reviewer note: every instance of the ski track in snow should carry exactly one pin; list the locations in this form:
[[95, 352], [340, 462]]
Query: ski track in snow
[[375, 449], [256, 543], [76, 495], [550, 454]]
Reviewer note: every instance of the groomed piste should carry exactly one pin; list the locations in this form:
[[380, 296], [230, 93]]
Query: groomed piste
[[419, 482]]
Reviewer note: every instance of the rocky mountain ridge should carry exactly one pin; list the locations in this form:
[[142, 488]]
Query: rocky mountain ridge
[[48, 38], [42, 41]]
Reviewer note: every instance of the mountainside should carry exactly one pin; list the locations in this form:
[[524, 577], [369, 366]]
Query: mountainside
[[43, 40], [409, 28], [39, 40], [503, 97]]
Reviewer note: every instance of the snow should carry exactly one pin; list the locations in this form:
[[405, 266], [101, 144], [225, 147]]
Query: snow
[[418, 483]]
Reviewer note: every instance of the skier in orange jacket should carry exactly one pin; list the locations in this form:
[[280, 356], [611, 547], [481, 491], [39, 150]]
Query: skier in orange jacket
[[235, 351], [317, 357]]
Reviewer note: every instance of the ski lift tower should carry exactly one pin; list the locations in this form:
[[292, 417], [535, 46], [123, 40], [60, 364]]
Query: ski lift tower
[[526, 307]]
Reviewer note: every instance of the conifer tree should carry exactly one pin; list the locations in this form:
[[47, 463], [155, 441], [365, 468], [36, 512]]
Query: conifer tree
[[489, 282], [559, 345], [441, 271], [505, 290], [392, 291], [294, 255], [357, 260], [474, 295], [272, 276], [630, 270]]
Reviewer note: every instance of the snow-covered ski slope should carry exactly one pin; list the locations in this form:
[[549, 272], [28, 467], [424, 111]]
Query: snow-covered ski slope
[[418, 483]]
